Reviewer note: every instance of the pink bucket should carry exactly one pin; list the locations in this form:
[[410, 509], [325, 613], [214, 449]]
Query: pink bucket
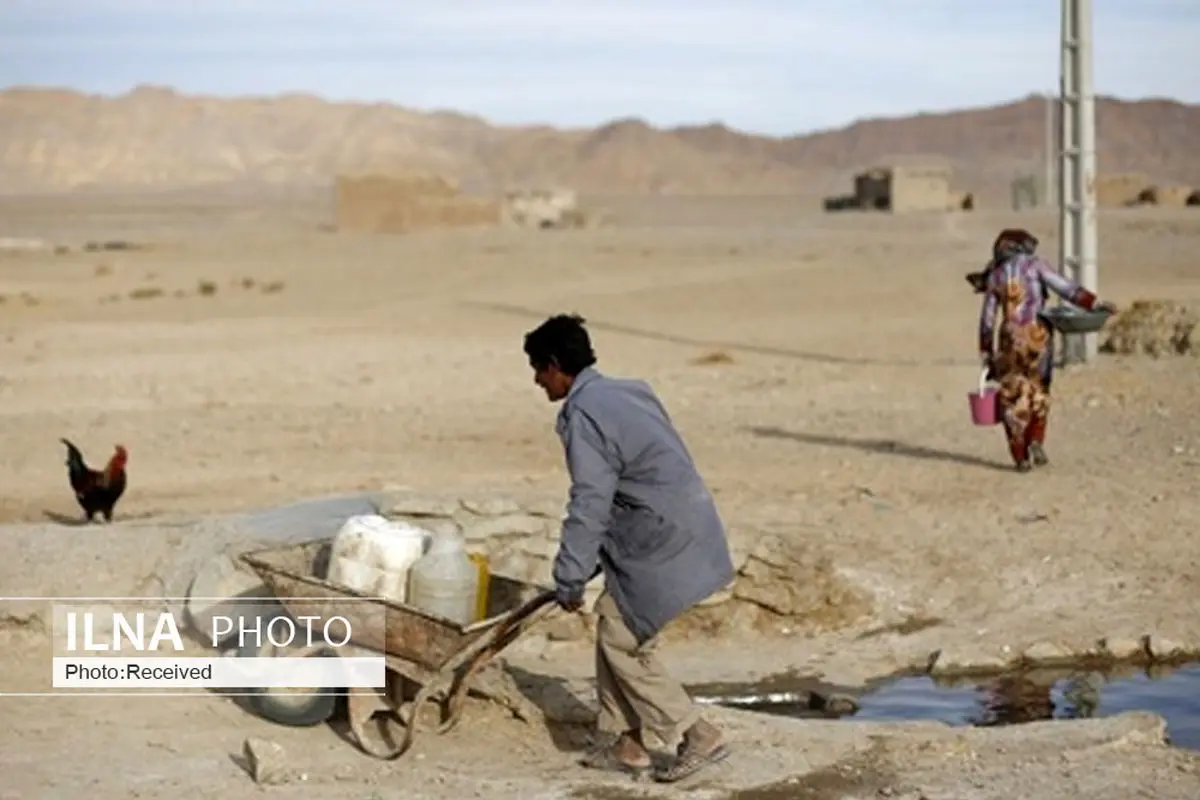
[[985, 403]]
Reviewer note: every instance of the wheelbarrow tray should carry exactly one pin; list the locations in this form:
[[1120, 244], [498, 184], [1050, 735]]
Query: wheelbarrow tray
[[442, 656], [409, 633]]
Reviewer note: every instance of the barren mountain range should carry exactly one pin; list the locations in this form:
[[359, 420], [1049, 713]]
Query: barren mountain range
[[151, 137]]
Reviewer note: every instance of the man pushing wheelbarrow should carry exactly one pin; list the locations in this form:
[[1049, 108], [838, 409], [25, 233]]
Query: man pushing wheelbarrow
[[639, 513]]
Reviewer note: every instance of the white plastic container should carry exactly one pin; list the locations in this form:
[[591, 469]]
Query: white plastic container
[[372, 555], [445, 580]]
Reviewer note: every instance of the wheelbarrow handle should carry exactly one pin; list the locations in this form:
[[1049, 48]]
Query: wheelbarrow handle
[[455, 674], [505, 632], [523, 612]]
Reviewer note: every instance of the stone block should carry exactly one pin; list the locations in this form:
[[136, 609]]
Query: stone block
[[491, 506], [266, 761], [546, 508], [969, 659], [506, 525], [1124, 648], [422, 505], [1163, 648]]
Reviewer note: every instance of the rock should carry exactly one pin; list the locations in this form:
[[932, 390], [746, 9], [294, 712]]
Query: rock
[[717, 598], [966, 660], [841, 704], [522, 567], [438, 526], [567, 627], [547, 509], [1161, 648], [507, 525], [787, 577], [1124, 648], [1045, 652], [491, 506], [417, 505], [1140, 729], [741, 544], [543, 572], [266, 761], [536, 546], [511, 564]]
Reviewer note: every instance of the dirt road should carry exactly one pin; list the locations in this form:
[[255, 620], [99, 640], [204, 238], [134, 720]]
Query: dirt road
[[816, 364]]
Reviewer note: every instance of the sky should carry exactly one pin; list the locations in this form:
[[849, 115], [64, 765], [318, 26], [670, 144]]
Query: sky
[[766, 66]]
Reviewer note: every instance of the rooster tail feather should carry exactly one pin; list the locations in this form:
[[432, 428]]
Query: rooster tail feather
[[75, 462]]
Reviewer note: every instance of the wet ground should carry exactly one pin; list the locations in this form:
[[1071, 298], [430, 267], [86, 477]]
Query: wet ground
[[1172, 693]]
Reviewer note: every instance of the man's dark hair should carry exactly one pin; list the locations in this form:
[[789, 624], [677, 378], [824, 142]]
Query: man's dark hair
[[562, 341]]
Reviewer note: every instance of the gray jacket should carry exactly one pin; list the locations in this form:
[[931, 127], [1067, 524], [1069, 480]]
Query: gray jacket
[[638, 509]]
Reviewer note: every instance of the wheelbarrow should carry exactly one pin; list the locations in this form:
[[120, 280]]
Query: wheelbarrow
[[444, 658]]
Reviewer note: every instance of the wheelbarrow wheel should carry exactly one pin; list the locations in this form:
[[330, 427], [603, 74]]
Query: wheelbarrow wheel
[[295, 708]]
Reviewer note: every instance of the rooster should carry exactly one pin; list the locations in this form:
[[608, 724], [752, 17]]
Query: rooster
[[97, 491]]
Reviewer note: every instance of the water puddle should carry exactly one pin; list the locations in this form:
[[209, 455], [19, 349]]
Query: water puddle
[[1171, 692]]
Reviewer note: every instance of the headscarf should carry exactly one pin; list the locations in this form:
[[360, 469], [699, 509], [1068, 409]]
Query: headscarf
[[1009, 243], [1013, 242]]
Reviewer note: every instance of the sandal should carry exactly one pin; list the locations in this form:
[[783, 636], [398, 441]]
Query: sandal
[[690, 761], [606, 759]]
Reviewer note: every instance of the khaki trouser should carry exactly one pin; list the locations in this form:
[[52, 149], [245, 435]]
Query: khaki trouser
[[635, 691]]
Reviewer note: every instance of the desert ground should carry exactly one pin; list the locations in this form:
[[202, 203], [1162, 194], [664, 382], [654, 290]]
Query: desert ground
[[816, 364]]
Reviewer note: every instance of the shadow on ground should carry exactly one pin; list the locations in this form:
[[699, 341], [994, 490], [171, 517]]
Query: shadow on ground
[[883, 446], [712, 344], [568, 719], [64, 519]]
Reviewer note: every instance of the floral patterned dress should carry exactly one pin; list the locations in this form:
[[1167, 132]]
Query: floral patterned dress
[[1023, 359]]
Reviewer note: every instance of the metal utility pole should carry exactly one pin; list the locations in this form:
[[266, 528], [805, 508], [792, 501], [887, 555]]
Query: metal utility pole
[[1050, 153], [1077, 164]]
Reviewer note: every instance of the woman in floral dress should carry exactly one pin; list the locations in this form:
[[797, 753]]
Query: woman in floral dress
[[1017, 283]]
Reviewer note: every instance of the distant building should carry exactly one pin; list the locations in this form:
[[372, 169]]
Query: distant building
[[901, 189]]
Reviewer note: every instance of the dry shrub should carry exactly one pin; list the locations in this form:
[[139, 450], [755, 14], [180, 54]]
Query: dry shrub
[[247, 283], [114, 245], [146, 293], [1194, 198], [841, 202], [274, 287], [206, 288], [1153, 328], [714, 358], [102, 270], [1171, 196]]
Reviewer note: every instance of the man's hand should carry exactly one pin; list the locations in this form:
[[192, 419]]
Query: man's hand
[[1105, 306], [569, 601]]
